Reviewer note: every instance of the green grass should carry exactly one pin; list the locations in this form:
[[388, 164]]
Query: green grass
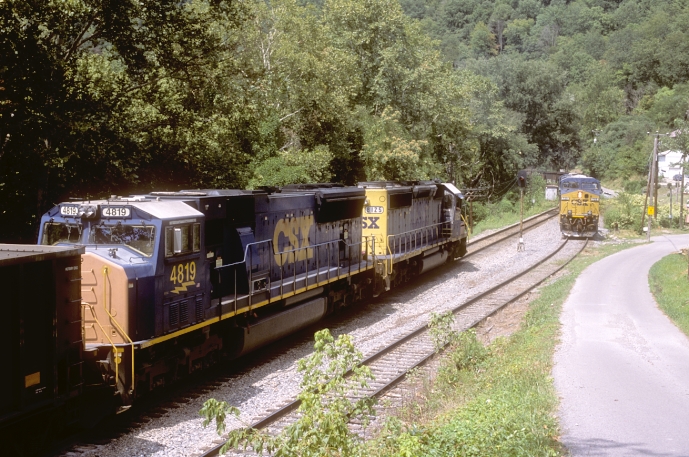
[[670, 287], [503, 403]]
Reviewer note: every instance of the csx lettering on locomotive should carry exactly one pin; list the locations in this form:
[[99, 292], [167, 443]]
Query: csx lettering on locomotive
[[296, 230]]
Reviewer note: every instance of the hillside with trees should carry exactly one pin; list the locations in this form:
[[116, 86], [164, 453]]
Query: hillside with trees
[[101, 97], [574, 71]]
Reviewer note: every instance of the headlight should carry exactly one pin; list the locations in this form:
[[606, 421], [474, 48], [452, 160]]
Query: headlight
[[589, 213], [88, 211]]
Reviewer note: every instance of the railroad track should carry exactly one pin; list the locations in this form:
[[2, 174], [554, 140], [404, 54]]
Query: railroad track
[[484, 242], [391, 364]]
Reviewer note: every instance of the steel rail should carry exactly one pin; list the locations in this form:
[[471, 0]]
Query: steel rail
[[292, 406], [530, 222]]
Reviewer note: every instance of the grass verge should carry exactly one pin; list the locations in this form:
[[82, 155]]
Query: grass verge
[[670, 287], [497, 402]]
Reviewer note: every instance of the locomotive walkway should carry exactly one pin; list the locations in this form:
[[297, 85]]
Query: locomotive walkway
[[622, 368]]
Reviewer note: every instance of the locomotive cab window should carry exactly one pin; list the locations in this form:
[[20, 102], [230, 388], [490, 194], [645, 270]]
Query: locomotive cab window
[[447, 201], [182, 239], [138, 237], [54, 233]]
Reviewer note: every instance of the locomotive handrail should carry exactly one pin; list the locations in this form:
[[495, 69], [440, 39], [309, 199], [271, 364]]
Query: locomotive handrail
[[311, 246], [466, 224], [248, 255], [117, 324], [407, 237], [114, 347]]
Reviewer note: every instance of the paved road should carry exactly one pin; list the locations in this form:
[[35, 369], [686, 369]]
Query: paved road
[[622, 368]]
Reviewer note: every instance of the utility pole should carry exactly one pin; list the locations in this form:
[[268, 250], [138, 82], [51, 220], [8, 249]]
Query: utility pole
[[652, 184], [655, 179], [669, 186], [681, 198], [521, 212]]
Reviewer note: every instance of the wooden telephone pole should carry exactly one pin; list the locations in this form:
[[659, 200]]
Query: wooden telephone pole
[[652, 185]]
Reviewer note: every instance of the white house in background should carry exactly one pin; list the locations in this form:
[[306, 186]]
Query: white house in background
[[669, 165]]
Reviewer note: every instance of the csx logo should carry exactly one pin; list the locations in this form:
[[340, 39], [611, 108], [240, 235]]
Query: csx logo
[[291, 240], [370, 222]]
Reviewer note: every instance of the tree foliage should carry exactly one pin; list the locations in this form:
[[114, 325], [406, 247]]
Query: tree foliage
[[105, 97]]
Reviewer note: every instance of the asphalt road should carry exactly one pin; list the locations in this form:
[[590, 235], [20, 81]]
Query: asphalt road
[[622, 368]]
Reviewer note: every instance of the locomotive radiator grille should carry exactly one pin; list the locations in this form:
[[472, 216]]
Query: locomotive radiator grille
[[174, 314], [184, 312], [199, 308]]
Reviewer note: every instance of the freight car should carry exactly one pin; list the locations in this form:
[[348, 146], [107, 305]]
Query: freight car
[[40, 331], [174, 281], [579, 205]]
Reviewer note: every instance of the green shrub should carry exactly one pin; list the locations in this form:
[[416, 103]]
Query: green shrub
[[326, 406], [625, 210], [635, 186]]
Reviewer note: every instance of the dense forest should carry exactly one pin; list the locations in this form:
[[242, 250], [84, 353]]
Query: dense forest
[[101, 97]]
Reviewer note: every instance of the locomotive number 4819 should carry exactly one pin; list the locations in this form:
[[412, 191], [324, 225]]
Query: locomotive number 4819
[[183, 272]]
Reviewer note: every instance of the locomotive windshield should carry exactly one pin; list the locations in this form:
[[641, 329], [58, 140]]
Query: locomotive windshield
[[141, 238], [54, 233]]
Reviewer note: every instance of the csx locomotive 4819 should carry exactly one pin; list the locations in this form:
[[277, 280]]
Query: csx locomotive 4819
[[174, 281], [579, 205]]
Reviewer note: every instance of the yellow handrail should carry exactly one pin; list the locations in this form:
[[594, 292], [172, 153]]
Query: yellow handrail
[[114, 348], [114, 321], [467, 226]]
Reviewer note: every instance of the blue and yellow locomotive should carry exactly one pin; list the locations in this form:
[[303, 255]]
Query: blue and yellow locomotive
[[173, 281], [579, 205]]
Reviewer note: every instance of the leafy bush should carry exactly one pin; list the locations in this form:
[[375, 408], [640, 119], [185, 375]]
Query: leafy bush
[[293, 166], [325, 410], [465, 350], [625, 210], [635, 186]]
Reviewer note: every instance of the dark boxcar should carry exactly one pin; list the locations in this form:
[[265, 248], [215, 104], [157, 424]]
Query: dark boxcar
[[40, 331]]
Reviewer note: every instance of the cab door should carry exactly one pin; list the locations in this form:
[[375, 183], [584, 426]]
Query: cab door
[[184, 276]]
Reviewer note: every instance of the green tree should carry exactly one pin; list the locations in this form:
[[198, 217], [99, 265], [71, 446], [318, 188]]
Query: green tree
[[516, 34], [498, 21], [104, 96], [293, 167], [389, 152], [483, 41]]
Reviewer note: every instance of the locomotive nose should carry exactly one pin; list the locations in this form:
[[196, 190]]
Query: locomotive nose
[[104, 291]]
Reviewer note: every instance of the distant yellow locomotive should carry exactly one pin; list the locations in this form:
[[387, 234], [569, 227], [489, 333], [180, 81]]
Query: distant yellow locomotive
[[579, 205]]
